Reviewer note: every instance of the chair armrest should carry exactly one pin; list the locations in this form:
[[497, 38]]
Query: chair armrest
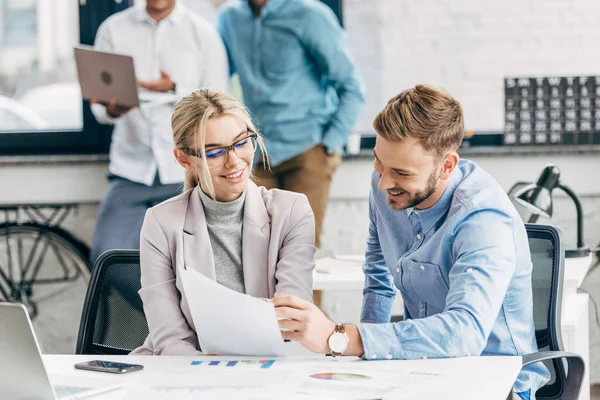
[[575, 372]]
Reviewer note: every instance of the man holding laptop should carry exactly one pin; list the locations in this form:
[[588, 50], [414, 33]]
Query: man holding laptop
[[176, 52]]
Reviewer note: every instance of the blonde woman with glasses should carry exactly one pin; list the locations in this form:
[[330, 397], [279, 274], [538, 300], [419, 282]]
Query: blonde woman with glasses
[[247, 238]]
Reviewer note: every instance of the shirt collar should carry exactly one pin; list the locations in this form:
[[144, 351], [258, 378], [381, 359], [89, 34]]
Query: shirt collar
[[271, 6], [432, 215], [174, 17]]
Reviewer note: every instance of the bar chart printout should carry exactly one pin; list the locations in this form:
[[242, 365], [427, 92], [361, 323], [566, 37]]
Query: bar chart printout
[[262, 364]]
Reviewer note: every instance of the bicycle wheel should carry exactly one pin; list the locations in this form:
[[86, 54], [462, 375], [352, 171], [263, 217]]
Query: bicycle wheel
[[39, 262]]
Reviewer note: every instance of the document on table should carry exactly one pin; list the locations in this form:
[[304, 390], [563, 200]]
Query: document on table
[[368, 379], [231, 323], [223, 378]]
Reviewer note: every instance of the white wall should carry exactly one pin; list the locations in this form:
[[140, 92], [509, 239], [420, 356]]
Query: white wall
[[468, 46]]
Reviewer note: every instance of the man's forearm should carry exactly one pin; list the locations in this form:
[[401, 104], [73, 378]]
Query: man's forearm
[[355, 346]]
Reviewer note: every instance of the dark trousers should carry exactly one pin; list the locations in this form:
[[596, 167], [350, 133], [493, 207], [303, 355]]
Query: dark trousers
[[122, 213]]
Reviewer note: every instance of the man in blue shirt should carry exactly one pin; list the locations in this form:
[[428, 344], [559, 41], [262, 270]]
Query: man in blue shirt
[[444, 234], [301, 86]]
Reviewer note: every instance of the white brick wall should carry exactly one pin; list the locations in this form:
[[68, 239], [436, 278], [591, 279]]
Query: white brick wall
[[468, 46]]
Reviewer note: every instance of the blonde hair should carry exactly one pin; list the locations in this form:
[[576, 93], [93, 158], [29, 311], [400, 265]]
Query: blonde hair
[[425, 113], [189, 120]]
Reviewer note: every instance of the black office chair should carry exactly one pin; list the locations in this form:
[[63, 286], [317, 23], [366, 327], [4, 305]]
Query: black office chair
[[548, 257], [113, 320]]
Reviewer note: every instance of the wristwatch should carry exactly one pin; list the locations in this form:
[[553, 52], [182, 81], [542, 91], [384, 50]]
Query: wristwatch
[[338, 341], [174, 88]]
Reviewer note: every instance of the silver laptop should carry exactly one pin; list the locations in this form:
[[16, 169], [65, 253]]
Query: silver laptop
[[22, 372], [104, 76]]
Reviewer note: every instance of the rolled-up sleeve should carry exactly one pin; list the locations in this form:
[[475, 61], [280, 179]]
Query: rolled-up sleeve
[[325, 40], [379, 291], [483, 246]]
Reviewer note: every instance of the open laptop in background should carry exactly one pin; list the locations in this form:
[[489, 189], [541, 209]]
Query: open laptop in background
[[105, 76], [22, 372]]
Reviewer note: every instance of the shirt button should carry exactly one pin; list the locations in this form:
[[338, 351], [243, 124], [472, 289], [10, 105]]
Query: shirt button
[[422, 267], [419, 236], [389, 356], [374, 356], [469, 270], [398, 269]]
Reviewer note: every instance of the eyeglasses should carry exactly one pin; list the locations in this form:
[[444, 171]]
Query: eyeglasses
[[217, 156]]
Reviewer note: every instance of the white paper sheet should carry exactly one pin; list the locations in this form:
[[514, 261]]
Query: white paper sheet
[[231, 323], [368, 379], [213, 384]]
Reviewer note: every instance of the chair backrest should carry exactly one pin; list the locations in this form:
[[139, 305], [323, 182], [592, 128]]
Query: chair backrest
[[113, 320], [548, 257]]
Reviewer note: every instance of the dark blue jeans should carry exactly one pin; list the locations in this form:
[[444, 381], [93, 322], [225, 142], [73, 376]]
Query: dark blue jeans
[[122, 213]]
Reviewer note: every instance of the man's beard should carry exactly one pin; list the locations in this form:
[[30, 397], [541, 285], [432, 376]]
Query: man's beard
[[414, 199]]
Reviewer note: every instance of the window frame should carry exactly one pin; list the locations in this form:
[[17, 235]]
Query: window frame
[[93, 138]]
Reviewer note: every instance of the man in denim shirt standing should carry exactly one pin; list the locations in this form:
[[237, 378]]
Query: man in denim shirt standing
[[301, 86], [443, 233]]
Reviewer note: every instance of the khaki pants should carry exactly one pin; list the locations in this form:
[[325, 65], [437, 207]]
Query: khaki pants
[[309, 173]]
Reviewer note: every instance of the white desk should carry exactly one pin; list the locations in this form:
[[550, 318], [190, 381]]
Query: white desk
[[488, 378], [574, 316]]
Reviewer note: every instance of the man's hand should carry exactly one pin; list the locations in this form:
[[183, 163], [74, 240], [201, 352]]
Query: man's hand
[[162, 84], [113, 109], [306, 323]]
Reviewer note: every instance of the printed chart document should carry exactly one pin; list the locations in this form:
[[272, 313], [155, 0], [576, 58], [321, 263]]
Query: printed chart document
[[220, 378], [231, 323], [369, 380]]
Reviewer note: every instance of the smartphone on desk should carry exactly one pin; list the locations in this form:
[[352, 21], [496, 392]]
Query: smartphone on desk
[[109, 366]]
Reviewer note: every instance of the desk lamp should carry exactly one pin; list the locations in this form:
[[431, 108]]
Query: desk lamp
[[537, 198]]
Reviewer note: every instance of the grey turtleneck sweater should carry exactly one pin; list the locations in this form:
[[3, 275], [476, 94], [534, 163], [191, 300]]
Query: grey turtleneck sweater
[[224, 222]]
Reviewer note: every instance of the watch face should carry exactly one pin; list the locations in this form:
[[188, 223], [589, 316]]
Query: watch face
[[338, 342]]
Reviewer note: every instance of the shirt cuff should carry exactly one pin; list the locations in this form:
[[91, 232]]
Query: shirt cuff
[[376, 308], [334, 141], [101, 114], [380, 342]]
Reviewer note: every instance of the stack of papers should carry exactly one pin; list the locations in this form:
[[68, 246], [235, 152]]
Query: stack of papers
[[231, 323]]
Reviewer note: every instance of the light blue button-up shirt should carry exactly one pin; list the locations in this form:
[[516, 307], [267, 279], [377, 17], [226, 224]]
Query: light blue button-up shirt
[[298, 79], [463, 268]]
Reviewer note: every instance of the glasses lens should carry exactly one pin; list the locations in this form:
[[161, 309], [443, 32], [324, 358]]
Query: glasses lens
[[245, 147], [214, 153]]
